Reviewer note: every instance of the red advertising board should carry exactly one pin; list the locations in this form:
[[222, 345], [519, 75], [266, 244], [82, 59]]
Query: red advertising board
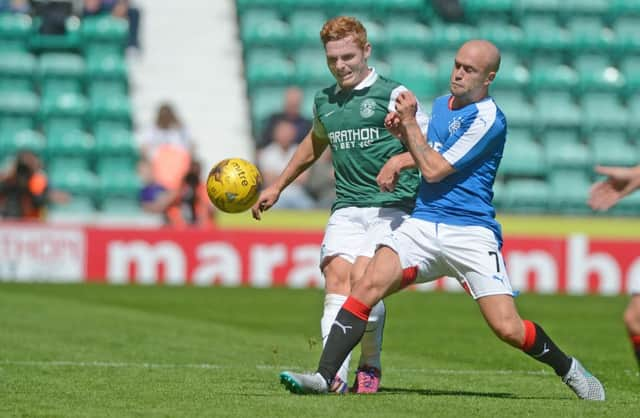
[[574, 264]]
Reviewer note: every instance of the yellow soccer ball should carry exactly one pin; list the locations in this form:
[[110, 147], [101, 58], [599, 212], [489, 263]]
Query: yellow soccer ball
[[233, 185]]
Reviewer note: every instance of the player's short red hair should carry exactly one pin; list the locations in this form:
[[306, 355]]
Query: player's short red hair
[[341, 27]]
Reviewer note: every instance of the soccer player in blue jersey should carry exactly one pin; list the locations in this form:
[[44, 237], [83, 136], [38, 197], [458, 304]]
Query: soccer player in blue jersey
[[621, 182], [452, 230]]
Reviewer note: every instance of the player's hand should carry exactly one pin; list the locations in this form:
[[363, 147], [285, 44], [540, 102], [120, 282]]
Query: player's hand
[[392, 123], [268, 197], [406, 106], [388, 176], [620, 182]]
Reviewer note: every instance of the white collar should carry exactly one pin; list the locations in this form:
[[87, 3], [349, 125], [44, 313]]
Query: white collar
[[367, 82]]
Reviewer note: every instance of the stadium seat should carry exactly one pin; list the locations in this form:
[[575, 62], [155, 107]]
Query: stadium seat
[[106, 88], [612, 148], [412, 70], [588, 33], [405, 32], [543, 33], [550, 74], [525, 196], [267, 29], [65, 105], [556, 109], [483, 8], [451, 35], [121, 205], [14, 124], [305, 27], [595, 72], [627, 37], [567, 153], [522, 155], [17, 70], [68, 41], [105, 30], [106, 67], [517, 109], [15, 31], [115, 142], [571, 8], [267, 68], [72, 178], [569, 190], [619, 8], [506, 36], [416, 8], [19, 104], [61, 65], [118, 177], [264, 102], [25, 139], [634, 119], [110, 108], [71, 143], [603, 110], [311, 67], [512, 73], [630, 68]]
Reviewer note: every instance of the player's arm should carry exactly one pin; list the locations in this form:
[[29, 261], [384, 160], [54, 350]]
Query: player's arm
[[620, 182], [431, 164]]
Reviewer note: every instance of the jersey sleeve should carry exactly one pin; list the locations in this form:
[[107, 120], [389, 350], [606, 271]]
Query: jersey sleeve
[[421, 116], [479, 134]]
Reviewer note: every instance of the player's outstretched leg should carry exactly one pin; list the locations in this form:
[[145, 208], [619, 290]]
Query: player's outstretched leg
[[539, 345], [304, 384], [332, 304], [369, 373]]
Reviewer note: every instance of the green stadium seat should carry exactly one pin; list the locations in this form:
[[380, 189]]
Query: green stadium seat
[[71, 143], [65, 105], [595, 72], [482, 8], [603, 110], [15, 31], [305, 27], [405, 32], [512, 73], [569, 191], [58, 125], [106, 67], [16, 123], [630, 68], [308, 97], [634, 120], [543, 33], [526, 196], [26, 139], [19, 103], [62, 164], [569, 154], [61, 65], [418, 8], [68, 41], [245, 5], [267, 30], [518, 110], [267, 68], [523, 156], [498, 194], [612, 148], [556, 109], [311, 67], [547, 75], [17, 70], [107, 88], [264, 102], [110, 108], [115, 142], [443, 62], [571, 8], [588, 33], [72, 178], [118, 177], [57, 86], [121, 205], [452, 35], [105, 30], [621, 8], [505, 35], [77, 205], [627, 37], [411, 69]]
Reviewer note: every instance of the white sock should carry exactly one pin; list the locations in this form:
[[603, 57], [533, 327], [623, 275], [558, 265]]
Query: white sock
[[371, 344], [332, 304]]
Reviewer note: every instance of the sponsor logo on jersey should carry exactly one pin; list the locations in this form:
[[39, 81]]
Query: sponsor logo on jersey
[[367, 108], [455, 124], [352, 138]]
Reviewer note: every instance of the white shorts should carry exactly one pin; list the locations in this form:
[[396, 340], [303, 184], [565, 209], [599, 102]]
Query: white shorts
[[471, 254], [634, 284], [353, 232]]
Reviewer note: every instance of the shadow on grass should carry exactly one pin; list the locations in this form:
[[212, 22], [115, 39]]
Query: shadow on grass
[[439, 392]]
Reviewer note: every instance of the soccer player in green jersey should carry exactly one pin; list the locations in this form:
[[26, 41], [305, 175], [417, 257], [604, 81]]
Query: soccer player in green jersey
[[375, 190]]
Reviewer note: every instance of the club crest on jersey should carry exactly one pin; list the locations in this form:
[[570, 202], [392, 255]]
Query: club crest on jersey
[[455, 124], [367, 108]]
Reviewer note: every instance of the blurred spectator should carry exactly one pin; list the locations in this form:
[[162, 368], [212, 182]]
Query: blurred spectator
[[122, 9], [321, 184], [186, 205], [169, 164], [24, 191], [449, 10], [15, 6], [273, 159], [290, 112], [167, 130], [53, 16]]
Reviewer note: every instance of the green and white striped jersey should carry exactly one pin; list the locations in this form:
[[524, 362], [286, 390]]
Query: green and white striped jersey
[[353, 124]]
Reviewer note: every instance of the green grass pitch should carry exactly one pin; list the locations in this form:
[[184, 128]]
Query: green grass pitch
[[92, 350]]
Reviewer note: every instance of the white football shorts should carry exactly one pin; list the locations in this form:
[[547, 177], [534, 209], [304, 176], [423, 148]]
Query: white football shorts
[[469, 253], [352, 232]]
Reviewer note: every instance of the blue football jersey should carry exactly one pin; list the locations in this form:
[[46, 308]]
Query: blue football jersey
[[472, 140]]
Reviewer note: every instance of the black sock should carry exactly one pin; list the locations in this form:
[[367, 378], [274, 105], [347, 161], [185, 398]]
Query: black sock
[[635, 341], [543, 349], [346, 332]]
